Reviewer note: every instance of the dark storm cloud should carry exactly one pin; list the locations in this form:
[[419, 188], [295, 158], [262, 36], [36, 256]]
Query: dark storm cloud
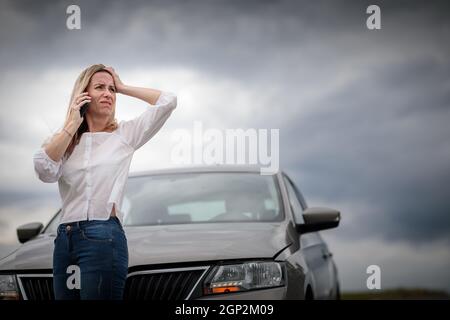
[[229, 37], [29, 198], [377, 134], [383, 141]]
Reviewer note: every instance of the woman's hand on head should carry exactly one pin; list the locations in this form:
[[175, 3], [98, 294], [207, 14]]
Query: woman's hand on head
[[117, 82]]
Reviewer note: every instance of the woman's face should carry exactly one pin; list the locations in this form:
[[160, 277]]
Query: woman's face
[[102, 91]]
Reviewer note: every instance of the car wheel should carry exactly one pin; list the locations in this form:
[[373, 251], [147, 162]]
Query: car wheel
[[309, 294], [338, 292]]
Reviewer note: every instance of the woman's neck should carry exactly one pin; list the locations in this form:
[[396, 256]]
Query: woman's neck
[[97, 125]]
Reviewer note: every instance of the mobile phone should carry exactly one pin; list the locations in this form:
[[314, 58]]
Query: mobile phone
[[83, 109]]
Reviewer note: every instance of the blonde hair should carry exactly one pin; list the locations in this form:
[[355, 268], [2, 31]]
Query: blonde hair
[[79, 87]]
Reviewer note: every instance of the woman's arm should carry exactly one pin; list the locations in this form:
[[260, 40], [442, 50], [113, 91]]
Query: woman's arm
[[148, 95], [138, 131], [48, 159], [56, 148]]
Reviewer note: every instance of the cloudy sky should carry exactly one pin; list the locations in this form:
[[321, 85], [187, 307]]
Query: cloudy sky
[[363, 114]]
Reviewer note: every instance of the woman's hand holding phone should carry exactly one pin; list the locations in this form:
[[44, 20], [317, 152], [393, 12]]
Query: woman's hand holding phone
[[75, 117]]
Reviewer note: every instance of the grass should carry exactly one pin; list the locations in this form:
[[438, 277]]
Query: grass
[[397, 294]]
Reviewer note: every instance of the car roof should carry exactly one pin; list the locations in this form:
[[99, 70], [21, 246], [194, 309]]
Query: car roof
[[198, 169]]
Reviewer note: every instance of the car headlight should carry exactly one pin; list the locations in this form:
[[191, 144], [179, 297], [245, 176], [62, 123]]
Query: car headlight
[[8, 288], [244, 277]]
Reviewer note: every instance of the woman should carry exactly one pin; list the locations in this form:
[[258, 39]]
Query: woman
[[90, 158]]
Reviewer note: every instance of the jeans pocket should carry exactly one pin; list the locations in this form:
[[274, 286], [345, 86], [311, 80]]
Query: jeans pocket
[[97, 233], [117, 222]]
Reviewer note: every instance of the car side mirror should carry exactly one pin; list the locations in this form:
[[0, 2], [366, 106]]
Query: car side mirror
[[27, 231], [319, 218]]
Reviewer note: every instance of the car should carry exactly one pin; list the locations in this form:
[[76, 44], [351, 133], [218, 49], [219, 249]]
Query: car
[[204, 232]]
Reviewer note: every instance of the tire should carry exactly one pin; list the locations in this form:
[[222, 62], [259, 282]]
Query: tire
[[338, 292], [309, 294]]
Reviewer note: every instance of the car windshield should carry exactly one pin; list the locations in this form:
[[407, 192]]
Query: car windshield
[[199, 198]]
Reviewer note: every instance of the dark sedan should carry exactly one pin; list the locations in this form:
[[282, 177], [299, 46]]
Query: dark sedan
[[220, 232]]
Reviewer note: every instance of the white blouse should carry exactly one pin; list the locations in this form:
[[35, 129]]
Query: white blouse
[[94, 177]]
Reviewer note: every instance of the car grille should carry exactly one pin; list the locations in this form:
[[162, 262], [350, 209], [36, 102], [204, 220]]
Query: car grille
[[35, 287], [163, 284]]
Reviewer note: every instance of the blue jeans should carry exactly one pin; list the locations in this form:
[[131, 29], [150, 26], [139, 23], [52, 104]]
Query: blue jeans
[[90, 260]]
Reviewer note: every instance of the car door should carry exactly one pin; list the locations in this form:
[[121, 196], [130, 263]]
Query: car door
[[313, 247], [327, 269]]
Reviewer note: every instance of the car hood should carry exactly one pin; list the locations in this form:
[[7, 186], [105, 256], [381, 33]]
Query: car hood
[[173, 243]]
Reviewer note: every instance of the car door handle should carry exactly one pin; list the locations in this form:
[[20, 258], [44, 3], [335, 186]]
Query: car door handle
[[327, 255]]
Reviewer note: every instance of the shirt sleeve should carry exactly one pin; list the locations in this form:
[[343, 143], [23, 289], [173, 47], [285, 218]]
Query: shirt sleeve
[[47, 170], [138, 131]]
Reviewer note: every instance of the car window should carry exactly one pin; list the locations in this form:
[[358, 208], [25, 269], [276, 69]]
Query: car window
[[294, 202], [52, 226]]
